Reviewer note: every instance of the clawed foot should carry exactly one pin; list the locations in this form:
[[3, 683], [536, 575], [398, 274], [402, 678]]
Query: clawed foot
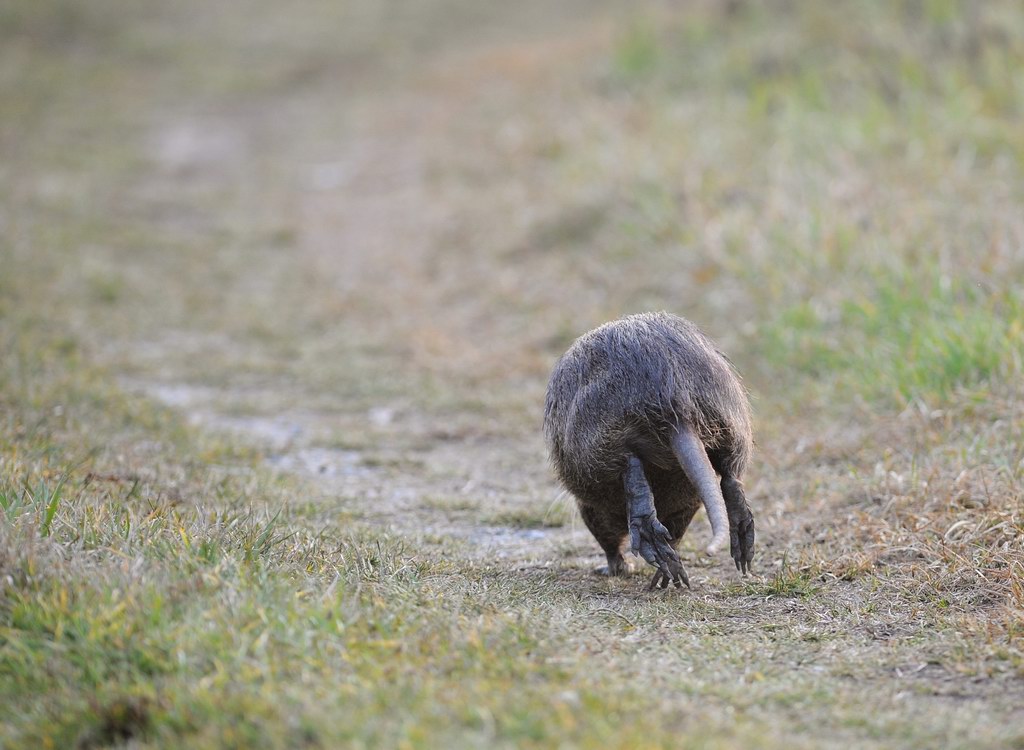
[[651, 541], [661, 581], [741, 543], [617, 566]]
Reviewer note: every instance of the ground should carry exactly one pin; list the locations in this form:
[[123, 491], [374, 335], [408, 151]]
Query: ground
[[280, 288]]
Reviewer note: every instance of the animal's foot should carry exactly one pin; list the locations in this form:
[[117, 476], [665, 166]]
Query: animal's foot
[[651, 541], [617, 566], [741, 543], [662, 581]]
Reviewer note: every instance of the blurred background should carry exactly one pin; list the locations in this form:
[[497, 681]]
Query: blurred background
[[362, 232], [406, 200], [350, 238]]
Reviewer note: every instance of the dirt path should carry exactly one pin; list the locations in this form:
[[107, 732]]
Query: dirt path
[[375, 227], [390, 340]]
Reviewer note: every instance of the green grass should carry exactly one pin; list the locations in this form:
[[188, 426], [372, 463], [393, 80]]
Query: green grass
[[213, 623], [832, 192], [913, 337], [541, 516], [638, 51], [43, 497], [786, 582], [840, 190]]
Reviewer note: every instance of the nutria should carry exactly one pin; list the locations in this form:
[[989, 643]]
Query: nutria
[[640, 415]]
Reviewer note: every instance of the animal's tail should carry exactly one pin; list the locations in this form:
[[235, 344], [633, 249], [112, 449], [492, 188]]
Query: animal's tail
[[696, 465]]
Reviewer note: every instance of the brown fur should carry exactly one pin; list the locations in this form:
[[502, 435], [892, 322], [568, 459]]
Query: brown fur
[[620, 390]]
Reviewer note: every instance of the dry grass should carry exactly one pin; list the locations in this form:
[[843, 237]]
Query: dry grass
[[346, 243]]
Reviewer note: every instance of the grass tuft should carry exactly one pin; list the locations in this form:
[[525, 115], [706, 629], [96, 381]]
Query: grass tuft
[[905, 339]]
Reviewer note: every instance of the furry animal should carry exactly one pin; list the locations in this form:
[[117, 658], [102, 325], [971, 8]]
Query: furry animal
[[645, 420]]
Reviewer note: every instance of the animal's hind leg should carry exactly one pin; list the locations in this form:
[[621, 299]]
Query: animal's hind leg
[[617, 565], [741, 520], [649, 538], [741, 523], [610, 534]]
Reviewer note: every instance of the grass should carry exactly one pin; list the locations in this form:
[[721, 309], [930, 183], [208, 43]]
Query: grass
[[193, 207], [553, 514], [912, 338]]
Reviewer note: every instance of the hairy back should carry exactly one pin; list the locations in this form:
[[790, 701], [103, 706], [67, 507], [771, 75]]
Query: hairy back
[[620, 385]]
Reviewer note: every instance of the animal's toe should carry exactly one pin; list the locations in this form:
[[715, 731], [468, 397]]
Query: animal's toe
[[656, 580], [742, 544]]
